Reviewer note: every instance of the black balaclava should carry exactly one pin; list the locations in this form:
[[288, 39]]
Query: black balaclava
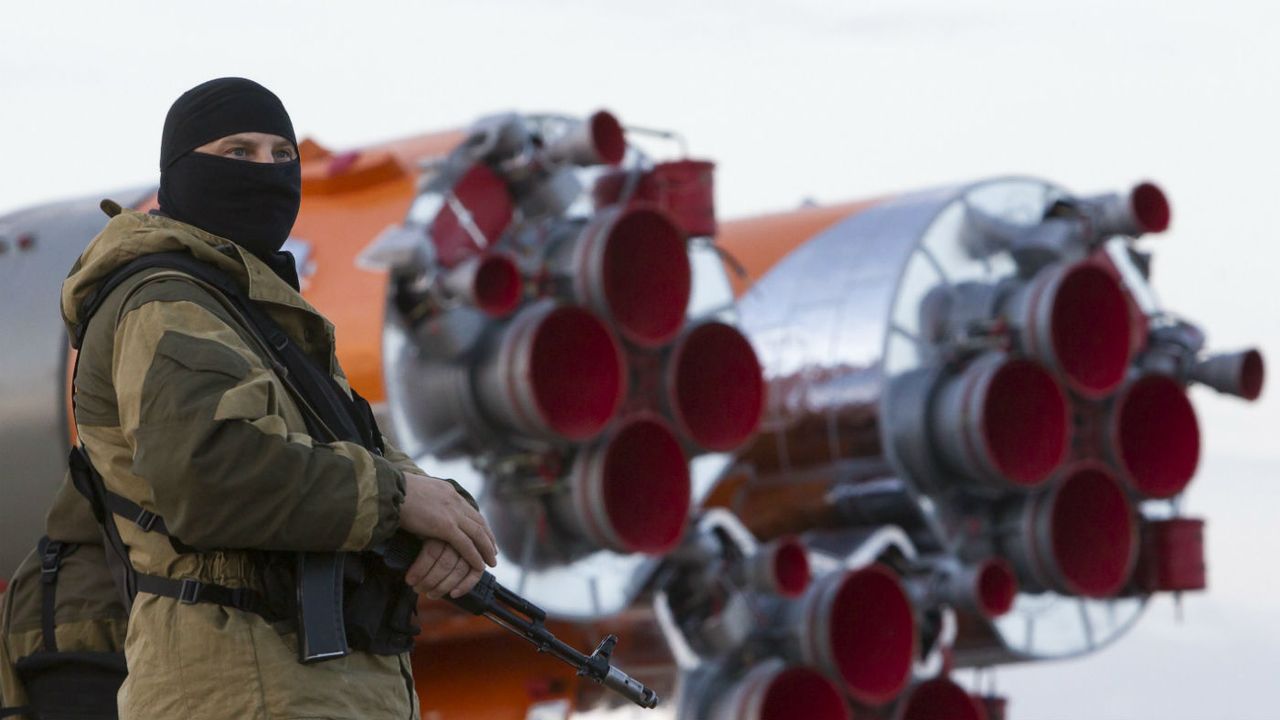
[[252, 204]]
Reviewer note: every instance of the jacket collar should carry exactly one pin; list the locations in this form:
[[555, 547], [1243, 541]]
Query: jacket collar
[[130, 234]]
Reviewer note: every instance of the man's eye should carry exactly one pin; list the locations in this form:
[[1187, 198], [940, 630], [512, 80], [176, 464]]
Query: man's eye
[[283, 155], [237, 152]]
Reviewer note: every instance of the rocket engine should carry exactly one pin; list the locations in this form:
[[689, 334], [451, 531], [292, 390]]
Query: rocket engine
[[986, 368], [803, 464]]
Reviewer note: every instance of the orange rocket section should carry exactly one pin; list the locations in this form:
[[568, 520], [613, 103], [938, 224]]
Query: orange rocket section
[[756, 244]]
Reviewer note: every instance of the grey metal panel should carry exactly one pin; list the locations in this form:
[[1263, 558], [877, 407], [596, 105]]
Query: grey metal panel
[[33, 419]]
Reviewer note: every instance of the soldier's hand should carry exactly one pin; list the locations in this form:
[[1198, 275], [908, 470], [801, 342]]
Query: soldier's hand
[[433, 509], [439, 569]]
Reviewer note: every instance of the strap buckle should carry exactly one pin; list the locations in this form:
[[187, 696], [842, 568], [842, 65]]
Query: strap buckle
[[51, 561], [145, 519], [189, 591]]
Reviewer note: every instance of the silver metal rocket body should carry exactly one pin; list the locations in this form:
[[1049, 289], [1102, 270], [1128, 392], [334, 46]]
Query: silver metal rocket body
[[40, 245]]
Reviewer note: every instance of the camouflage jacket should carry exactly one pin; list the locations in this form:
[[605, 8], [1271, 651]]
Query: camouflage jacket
[[181, 412]]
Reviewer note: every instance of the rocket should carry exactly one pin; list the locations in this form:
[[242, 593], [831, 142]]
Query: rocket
[[805, 464]]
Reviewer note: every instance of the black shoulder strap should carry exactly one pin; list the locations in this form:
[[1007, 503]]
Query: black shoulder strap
[[89, 306], [87, 481], [51, 554]]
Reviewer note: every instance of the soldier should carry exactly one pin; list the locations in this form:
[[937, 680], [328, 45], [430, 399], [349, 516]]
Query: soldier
[[188, 417]]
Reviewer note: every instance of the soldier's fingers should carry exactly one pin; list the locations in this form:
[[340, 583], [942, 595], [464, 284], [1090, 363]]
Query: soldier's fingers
[[468, 582], [465, 545], [460, 572], [472, 513], [483, 541], [489, 531], [431, 550], [478, 518], [444, 567]]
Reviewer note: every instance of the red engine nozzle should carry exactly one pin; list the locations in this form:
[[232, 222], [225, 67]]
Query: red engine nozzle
[[715, 387], [600, 140], [986, 588], [939, 699], [1154, 437], [608, 139], [557, 372], [1075, 319], [631, 265], [1150, 208], [782, 567], [1078, 537], [1002, 421], [773, 691], [1241, 374], [995, 587], [859, 627], [631, 493], [490, 282], [1144, 210]]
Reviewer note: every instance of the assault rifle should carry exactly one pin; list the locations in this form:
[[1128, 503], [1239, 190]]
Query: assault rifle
[[504, 607]]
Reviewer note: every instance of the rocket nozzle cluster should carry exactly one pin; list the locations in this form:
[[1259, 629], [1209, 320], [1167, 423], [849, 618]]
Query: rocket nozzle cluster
[[1042, 403], [990, 379], [783, 628], [547, 331], [1069, 406], [850, 652]]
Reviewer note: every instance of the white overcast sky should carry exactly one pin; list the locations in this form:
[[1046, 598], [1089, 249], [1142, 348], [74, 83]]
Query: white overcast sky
[[822, 99]]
